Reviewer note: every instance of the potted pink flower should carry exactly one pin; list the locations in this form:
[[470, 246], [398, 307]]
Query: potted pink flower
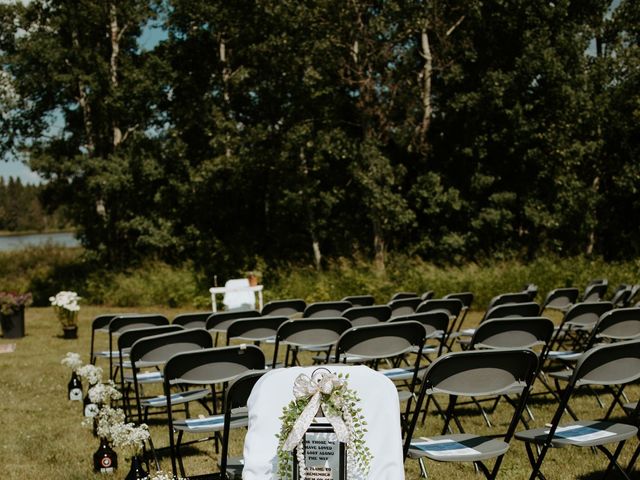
[[12, 307]]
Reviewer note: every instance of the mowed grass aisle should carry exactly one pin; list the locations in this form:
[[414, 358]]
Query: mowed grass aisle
[[42, 435]]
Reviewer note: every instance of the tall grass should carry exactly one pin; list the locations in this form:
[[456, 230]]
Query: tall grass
[[46, 270]]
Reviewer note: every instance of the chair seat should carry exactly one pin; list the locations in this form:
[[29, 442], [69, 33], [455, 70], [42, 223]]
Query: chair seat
[[109, 353], [563, 355], [145, 377], [210, 424], [457, 448], [398, 373], [588, 433], [562, 375], [176, 398]]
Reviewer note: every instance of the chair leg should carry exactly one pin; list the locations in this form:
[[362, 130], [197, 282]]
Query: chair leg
[[613, 460], [632, 461], [536, 463], [423, 469]]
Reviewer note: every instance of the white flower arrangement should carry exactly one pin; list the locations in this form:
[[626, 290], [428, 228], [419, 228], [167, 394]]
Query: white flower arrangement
[[128, 436], [72, 360], [90, 373], [66, 306], [103, 393], [107, 419]]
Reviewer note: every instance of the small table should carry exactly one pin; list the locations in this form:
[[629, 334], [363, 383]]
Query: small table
[[222, 290]]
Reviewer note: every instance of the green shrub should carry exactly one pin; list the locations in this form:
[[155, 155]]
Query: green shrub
[[46, 270]]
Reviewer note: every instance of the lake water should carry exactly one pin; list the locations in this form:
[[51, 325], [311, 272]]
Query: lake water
[[16, 242]]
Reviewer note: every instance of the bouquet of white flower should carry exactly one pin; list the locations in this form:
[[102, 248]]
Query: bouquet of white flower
[[128, 436], [72, 360], [103, 393], [66, 307], [90, 373]]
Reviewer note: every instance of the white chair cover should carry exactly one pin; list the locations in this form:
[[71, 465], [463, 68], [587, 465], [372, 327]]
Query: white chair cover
[[379, 402], [242, 298]]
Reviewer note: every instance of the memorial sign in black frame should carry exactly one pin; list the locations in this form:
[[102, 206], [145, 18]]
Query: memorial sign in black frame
[[321, 448]]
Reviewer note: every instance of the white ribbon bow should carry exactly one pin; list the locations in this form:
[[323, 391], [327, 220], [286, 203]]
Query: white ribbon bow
[[321, 383]]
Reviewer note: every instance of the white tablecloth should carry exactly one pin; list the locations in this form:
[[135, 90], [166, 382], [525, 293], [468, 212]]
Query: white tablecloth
[[379, 401]]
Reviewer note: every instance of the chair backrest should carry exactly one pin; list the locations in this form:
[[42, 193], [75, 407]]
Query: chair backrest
[[256, 329], [465, 297], [212, 365], [608, 364], [325, 309], [532, 290], [475, 373], [598, 281], [428, 295], [367, 315], [621, 296], [158, 349], [122, 323], [618, 324], [513, 333], [239, 297], [192, 320], [219, 322], [129, 337], [310, 332], [595, 292], [453, 306], [511, 297], [586, 314], [402, 295], [404, 306], [359, 300], [284, 307], [435, 322], [528, 309], [384, 340], [561, 298]]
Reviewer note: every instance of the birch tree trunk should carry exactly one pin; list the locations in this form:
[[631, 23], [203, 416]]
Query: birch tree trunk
[[115, 33]]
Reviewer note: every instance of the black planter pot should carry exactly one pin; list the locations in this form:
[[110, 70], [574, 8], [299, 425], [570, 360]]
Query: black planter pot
[[70, 332], [13, 325]]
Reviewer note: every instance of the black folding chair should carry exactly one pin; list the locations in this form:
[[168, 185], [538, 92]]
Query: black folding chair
[[208, 367], [122, 323], [125, 341], [611, 365], [474, 374], [404, 306], [315, 334]]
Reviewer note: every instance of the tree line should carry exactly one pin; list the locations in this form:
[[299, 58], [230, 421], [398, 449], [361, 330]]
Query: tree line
[[21, 210], [295, 131]]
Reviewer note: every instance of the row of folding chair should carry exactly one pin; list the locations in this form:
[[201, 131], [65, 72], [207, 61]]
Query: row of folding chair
[[500, 372]]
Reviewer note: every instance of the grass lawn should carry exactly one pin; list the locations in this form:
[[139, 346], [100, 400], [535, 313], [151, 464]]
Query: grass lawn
[[42, 435]]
